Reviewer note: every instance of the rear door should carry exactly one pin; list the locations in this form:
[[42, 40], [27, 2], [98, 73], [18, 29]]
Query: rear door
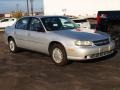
[[21, 32]]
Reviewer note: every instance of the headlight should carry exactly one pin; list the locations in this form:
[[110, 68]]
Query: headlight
[[83, 43]]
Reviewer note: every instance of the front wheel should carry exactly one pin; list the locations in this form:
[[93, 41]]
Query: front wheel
[[58, 55]]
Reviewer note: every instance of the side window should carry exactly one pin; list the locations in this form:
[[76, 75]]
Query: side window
[[22, 24], [36, 25]]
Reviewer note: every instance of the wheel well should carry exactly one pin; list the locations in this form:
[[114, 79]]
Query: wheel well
[[53, 43], [10, 37]]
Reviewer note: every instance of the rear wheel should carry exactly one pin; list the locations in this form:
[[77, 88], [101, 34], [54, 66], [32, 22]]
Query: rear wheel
[[58, 55], [12, 46]]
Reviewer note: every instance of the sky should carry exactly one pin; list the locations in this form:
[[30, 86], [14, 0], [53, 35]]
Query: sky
[[12, 5], [57, 6], [80, 6]]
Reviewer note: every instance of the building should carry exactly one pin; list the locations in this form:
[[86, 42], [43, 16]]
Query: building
[[79, 7], [1, 15], [6, 15]]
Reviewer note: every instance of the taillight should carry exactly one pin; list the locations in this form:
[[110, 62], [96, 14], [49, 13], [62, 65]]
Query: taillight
[[98, 19]]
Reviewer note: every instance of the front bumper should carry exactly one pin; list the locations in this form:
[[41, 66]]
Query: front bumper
[[84, 53]]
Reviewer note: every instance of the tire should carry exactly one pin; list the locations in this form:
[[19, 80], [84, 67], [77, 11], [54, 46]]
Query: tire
[[58, 55], [12, 46]]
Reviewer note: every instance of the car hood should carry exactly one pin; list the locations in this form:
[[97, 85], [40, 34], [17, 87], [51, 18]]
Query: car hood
[[81, 35]]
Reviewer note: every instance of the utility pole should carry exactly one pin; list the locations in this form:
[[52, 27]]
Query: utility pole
[[17, 7], [31, 1], [27, 8]]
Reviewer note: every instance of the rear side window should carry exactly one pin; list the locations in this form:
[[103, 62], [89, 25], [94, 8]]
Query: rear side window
[[22, 24]]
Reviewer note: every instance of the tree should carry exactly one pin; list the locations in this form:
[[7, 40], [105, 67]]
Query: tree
[[16, 14]]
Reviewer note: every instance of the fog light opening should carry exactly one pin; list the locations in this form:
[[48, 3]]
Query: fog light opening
[[87, 57]]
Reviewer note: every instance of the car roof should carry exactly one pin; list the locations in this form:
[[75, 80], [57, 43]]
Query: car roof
[[44, 16]]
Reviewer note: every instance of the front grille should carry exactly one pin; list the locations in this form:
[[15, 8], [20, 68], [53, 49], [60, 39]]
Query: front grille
[[101, 54], [101, 42]]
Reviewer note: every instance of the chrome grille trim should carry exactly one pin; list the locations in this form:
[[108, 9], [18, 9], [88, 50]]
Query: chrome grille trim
[[101, 42]]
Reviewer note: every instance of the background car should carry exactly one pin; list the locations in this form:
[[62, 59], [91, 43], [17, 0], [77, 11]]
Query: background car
[[58, 37], [7, 22], [83, 23]]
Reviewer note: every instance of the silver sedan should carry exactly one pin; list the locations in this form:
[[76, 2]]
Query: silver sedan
[[58, 37]]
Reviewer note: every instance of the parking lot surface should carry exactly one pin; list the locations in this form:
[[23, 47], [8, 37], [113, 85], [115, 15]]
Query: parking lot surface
[[28, 70]]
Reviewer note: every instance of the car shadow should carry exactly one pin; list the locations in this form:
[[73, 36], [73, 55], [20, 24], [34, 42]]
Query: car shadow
[[23, 51], [29, 52]]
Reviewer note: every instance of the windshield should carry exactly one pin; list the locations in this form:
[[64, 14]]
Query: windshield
[[58, 23]]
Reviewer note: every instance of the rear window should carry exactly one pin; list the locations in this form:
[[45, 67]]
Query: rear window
[[80, 21]]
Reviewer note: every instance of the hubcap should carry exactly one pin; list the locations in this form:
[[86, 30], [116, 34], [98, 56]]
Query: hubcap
[[12, 45], [57, 55]]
